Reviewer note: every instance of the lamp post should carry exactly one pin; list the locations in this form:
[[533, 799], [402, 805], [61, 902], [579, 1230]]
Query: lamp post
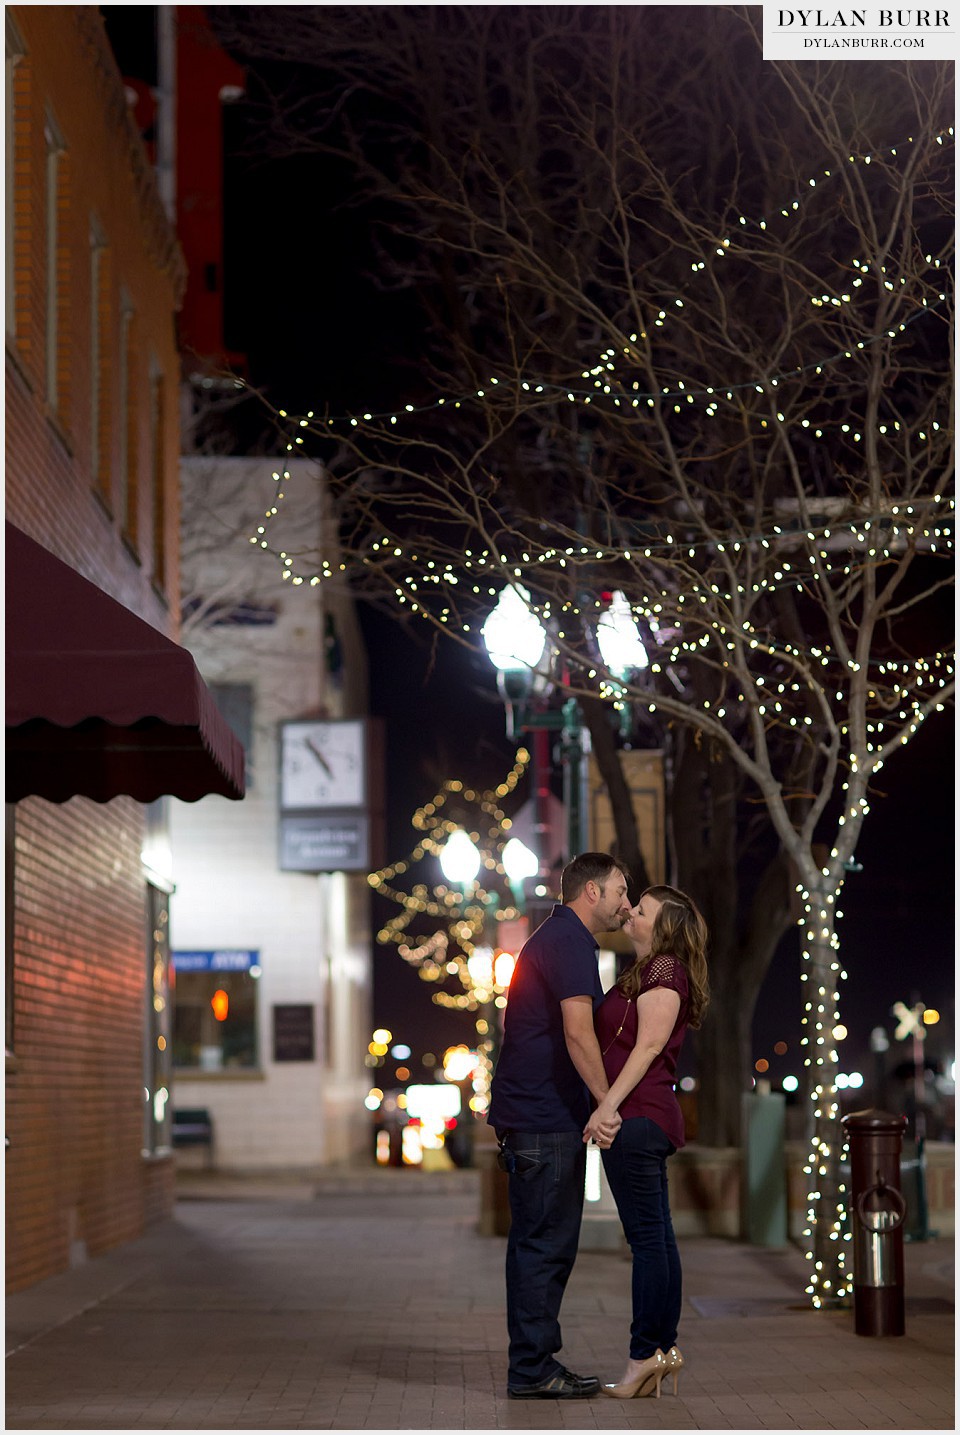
[[516, 642]]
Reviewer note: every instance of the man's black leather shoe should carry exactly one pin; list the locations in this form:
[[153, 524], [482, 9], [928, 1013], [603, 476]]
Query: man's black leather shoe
[[562, 1386]]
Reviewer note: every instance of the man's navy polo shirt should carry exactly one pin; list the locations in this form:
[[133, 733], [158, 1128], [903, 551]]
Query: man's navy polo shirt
[[536, 1086]]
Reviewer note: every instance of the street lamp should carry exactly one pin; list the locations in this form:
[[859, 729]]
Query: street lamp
[[519, 863], [512, 634], [516, 641], [460, 859], [619, 640]]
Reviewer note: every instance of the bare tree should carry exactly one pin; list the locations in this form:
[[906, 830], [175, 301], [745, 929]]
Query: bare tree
[[691, 344]]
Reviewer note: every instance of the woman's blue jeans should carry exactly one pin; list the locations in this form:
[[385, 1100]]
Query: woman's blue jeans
[[636, 1168], [546, 1205]]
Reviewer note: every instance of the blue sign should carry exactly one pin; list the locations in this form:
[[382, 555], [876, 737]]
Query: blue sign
[[216, 961]]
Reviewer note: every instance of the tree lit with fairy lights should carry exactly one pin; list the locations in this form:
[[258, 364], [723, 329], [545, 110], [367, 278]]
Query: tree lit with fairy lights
[[447, 930], [718, 384]]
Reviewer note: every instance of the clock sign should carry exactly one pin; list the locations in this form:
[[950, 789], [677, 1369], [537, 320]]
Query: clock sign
[[322, 764]]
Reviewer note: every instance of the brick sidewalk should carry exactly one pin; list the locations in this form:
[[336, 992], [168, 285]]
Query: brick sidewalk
[[372, 1303]]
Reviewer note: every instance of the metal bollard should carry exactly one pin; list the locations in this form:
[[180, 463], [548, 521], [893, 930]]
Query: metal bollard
[[877, 1212]]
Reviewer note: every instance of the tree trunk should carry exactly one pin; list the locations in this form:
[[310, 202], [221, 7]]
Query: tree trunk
[[596, 717], [827, 1229], [704, 819]]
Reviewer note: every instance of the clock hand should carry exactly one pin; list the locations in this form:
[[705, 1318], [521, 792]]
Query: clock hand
[[308, 742]]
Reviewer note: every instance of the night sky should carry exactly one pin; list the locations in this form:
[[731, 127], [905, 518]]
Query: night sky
[[318, 332]]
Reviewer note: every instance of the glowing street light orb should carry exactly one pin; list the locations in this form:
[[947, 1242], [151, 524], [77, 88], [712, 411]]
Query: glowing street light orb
[[513, 636], [480, 966], [790, 1083], [503, 968], [931, 1016], [382, 1035], [839, 1032], [460, 859], [458, 1063], [411, 1150], [619, 638], [518, 861]]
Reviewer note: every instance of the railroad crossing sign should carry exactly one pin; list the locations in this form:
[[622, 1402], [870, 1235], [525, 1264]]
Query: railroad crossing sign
[[910, 1023]]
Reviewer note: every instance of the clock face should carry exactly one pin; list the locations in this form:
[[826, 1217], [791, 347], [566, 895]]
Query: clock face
[[322, 764]]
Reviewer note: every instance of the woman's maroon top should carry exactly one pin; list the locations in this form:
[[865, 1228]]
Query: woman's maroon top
[[616, 1022]]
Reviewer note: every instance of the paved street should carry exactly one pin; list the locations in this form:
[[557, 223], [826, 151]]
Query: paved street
[[370, 1302]]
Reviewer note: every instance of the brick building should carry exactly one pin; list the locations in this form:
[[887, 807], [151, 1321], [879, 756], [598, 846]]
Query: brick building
[[94, 275]]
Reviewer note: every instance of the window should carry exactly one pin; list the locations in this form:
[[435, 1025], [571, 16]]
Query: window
[[156, 1045], [215, 1010], [235, 701], [128, 422], [15, 53], [55, 201], [99, 363], [9, 911], [158, 464]]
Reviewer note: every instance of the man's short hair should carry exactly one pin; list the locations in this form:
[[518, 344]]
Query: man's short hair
[[588, 867]]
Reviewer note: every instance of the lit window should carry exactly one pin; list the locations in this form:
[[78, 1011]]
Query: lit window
[[10, 870], [215, 1010], [156, 1045]]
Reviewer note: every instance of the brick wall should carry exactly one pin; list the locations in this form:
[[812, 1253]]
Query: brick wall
[[67, 76], [76, 1180]]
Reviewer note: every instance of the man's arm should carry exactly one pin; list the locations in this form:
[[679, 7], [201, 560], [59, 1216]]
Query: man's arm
[[584, 1050]]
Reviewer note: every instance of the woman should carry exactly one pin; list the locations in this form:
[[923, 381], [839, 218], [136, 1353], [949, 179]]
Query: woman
[[640, 1027]]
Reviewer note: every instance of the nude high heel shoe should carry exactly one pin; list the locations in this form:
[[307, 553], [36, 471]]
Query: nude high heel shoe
[[674, 1362], [646, 1382]]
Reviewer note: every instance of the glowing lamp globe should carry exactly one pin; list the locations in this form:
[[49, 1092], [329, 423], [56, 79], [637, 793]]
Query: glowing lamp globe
[[518, 861], [480, 966], [619, 638], [513, 636], [460, 859], [503, 969]]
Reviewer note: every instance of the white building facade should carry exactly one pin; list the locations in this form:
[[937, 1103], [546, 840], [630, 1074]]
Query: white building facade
[[272, 968]]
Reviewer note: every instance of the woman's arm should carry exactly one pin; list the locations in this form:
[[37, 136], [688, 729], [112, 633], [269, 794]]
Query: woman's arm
[[657, 1012]]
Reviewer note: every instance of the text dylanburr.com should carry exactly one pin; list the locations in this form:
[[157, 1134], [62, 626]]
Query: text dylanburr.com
[[866, 33]]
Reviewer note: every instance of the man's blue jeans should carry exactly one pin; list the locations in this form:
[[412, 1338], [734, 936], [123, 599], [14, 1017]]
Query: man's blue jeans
[[636, 1167], [546, 1205]]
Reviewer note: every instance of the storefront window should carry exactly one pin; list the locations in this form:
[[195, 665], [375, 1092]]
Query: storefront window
[[156, 1046], [215, 1010], [9, 912]]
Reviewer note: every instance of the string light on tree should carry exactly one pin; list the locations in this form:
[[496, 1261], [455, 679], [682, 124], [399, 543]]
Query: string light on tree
[[755, 517], [456, 951]]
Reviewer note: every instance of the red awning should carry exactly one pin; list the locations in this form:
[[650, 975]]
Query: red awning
[[99, 704]]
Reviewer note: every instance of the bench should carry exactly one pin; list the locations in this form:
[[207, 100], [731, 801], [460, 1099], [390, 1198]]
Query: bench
[[193, 1126]]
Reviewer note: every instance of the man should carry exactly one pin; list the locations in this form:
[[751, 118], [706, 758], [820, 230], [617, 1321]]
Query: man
[[540, 1108]]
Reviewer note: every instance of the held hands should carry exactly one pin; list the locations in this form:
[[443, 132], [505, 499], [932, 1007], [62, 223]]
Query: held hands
[[603, 1125]]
